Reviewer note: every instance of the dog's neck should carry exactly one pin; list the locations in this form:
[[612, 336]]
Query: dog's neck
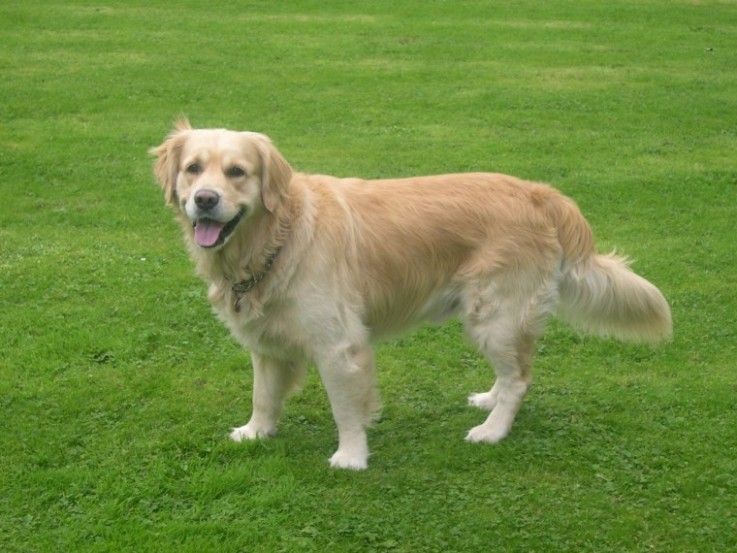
[[254, 253], [247, 258], [241, 288]]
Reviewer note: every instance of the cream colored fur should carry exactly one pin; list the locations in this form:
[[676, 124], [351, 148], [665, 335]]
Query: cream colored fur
[[359, 260]]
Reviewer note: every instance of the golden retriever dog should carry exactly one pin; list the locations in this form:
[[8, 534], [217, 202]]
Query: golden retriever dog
[[313, 269]]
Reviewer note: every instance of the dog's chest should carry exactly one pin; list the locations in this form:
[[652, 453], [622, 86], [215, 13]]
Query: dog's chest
[[267, 329]]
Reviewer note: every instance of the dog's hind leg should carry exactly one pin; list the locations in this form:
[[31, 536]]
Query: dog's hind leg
[[272, 381], [505, 324]]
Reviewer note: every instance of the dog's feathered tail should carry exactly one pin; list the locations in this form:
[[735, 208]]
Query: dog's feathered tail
[[600, 294], [603, 296]]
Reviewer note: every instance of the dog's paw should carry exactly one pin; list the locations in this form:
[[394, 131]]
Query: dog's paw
[[341, 460], [485, 401], [485, 433], [250, 432]]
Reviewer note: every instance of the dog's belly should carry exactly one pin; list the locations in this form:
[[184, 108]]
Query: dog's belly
[[441, 306], [393, 320]]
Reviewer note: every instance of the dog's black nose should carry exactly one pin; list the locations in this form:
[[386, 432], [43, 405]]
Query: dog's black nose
[[206, 199]]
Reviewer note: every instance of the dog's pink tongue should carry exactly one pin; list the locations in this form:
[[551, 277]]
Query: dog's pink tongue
[[207, 232]]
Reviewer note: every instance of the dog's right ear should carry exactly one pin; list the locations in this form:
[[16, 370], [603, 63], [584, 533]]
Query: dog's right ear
[[168, 157]]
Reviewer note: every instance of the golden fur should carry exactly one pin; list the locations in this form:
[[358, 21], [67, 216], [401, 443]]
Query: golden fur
[[336, 263]]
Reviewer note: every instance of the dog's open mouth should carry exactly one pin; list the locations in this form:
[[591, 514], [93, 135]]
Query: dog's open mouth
[[209, 233]]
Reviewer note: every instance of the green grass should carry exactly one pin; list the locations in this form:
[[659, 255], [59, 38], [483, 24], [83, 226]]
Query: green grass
[[118, 385]]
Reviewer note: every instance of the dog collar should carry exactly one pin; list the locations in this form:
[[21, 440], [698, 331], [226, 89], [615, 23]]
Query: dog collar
[[241, 288]]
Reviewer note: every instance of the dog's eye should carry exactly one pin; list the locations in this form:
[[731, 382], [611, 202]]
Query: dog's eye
[[193, 168], [235, 172]]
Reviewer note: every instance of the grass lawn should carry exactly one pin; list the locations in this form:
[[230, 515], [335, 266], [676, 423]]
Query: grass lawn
[[118, 385]]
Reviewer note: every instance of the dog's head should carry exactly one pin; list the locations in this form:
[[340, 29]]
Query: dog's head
[[219, 178]]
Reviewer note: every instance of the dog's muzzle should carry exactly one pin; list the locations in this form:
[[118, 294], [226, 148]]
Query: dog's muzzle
[[209, 230]]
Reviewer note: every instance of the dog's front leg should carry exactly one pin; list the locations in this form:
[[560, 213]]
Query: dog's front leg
[[348, 375], [272, 380]]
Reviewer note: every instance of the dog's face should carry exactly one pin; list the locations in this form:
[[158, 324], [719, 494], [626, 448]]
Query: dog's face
[[219, 178]]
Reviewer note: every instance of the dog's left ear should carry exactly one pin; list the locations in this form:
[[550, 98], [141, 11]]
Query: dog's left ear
[[275, 174], [169, 154]]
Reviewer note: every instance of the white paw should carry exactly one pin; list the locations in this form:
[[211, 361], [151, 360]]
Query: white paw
[[485, 401], [342, 460], [486, 433], [250, 432]]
